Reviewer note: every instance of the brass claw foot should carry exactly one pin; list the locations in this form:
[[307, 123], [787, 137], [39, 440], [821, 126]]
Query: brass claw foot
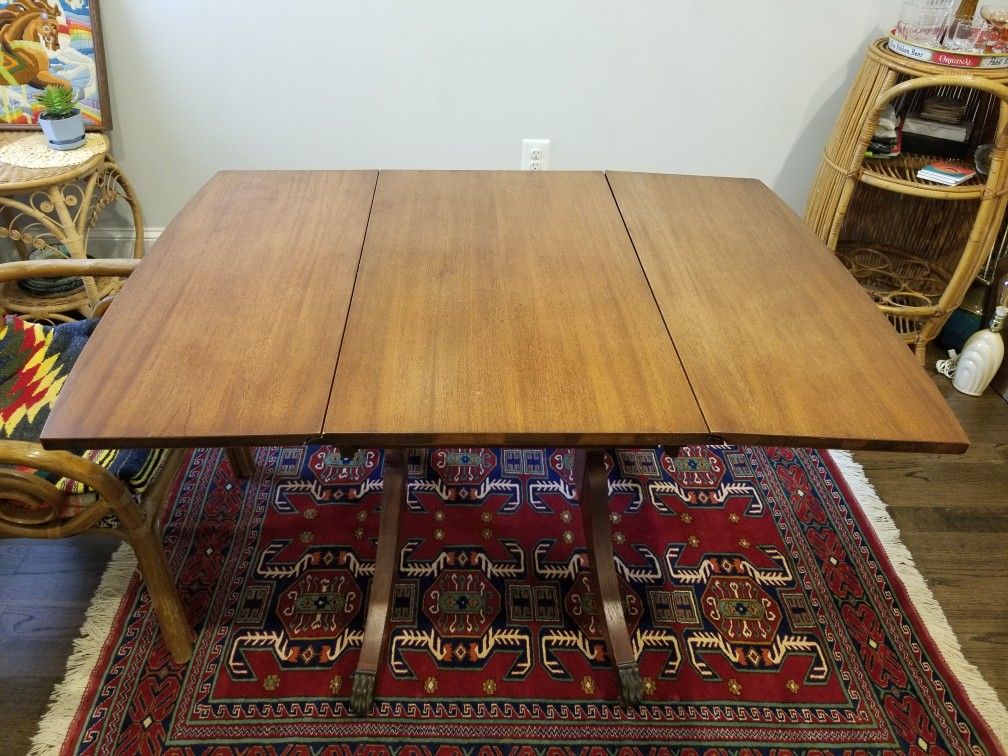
[[631, 686], [362, 692]]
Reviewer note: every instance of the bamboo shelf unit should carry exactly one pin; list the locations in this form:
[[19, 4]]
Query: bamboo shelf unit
[[915, 246]]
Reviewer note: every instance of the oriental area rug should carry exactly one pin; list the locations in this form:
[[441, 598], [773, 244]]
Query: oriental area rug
[[771, 606]]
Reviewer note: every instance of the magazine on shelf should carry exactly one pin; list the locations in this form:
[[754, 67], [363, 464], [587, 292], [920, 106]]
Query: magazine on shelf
[[948, 174]]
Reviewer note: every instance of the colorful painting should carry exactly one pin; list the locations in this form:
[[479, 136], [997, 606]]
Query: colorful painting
[[51, 42]]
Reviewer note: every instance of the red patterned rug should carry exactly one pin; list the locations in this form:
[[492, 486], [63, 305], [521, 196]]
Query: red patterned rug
[[765, 611]]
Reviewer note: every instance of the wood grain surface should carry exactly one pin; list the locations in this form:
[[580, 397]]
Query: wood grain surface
[[228, 333], [780, 343], [494, 308], [504, 308]]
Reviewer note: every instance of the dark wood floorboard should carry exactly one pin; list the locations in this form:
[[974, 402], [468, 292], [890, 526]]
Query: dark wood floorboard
[[952, 514], [45, 588]]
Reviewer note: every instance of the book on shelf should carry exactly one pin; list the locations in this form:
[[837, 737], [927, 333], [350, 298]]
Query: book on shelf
[[948, 174], [954, 132]]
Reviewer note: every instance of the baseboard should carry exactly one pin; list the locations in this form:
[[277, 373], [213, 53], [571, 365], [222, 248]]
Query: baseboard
[[151, 234], [117, 241]]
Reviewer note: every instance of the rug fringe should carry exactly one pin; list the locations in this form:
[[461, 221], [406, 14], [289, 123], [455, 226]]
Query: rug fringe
[[66, 696], [981, 694]]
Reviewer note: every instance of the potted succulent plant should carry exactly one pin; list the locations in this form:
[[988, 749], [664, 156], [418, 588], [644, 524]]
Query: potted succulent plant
[[60, 119]]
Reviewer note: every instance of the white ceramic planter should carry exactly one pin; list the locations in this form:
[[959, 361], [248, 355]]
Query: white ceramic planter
[[64, 133]]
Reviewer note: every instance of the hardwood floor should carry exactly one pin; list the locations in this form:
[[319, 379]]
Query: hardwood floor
[[45, 588], [952, 513]]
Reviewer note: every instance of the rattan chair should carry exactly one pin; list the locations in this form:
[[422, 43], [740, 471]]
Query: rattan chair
[[55, 494]]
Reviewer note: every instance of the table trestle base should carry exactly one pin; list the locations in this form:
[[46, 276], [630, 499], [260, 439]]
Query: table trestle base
[[348, 453], [594, 500], [240, 458], [380, 598], [590, 470]]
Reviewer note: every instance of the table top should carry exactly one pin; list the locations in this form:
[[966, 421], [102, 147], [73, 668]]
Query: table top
[[501, 308], [466, 308], [763, 313], [230, 327]]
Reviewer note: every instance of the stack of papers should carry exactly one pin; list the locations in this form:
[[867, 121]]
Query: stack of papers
[[945, 109], [948, 174], [957, 132]]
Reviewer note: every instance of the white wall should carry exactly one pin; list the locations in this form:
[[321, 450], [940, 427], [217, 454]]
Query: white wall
[[728, 88]]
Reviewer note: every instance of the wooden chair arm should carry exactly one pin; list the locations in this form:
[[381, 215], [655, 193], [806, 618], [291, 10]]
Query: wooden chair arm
[[13, 271], [103, 304], [29, 502], [33, 487], [67, 465]]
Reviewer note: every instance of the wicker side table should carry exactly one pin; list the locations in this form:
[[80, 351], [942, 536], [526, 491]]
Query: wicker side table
[[53, 207], [915, 246]]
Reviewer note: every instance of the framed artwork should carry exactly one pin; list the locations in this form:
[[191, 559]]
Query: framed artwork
[[51, 42]]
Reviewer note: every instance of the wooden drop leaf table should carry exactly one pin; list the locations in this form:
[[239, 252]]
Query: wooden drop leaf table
[[421, 308]]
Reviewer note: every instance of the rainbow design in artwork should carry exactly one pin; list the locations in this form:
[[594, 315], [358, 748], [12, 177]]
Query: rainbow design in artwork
[[48, 42]]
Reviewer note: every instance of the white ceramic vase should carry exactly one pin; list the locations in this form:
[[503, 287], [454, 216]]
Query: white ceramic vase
[[981, 357], [63, 133]]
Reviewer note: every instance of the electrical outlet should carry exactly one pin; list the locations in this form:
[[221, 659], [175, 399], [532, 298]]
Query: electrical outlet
[[535, 154]]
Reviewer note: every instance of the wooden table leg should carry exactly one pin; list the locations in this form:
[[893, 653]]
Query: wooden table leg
[[379, 600], [348, 453], [598, 534], [240, 457]]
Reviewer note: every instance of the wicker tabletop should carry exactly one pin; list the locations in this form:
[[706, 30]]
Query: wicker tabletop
[[14, 178]]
